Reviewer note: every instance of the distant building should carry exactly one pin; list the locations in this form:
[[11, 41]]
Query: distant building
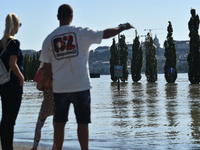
[[182, 46], [156, 42], [182, 49], [102, 49]]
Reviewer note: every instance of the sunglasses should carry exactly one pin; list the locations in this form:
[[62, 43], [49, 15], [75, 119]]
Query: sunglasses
[[20, 24]]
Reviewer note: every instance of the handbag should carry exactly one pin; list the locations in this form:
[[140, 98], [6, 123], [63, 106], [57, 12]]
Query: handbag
[[4, 74]]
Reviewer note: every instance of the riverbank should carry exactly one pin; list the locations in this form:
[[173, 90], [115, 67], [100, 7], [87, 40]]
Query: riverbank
[[28, 146]]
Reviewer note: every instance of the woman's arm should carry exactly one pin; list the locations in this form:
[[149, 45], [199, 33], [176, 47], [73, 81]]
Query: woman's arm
[[15, 69]]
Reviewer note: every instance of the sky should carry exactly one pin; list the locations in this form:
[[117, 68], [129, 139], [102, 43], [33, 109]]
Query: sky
[[39, 18]]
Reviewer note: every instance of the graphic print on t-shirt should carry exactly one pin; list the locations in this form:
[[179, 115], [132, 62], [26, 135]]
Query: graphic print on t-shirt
[[65, 45]]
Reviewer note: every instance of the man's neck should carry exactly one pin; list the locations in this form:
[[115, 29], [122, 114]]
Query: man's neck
[[63, 23]]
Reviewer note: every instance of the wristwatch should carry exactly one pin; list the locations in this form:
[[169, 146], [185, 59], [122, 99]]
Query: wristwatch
[[122, 26]]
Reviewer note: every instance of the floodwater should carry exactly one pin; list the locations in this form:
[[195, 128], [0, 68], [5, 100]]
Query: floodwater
[[141, 116]]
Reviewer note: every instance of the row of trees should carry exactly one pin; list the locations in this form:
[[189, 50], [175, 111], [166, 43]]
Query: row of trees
[[120, 58], [170, 68], [31, 65]]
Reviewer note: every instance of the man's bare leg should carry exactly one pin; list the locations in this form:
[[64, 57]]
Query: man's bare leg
[[83, 136], [59, 133]]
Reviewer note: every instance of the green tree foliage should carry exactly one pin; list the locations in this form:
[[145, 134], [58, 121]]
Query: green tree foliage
[[34, 66], [123, 57], [30, 73], [31, 65], [37, 60], [170, 68], [151, 61], [113, 60], [136, 61], [193, 56], [26, 66]]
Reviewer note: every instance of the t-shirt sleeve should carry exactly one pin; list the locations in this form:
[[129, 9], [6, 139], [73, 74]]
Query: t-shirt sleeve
[[92, 36], [38, 75], [45, 52], [13, 48]]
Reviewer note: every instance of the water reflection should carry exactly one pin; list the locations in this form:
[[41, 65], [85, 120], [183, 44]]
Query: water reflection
[[119, 100], [171, 103], [152, 107], [194, 94], [138, 104], [194, 91], [171, 110], [120, 106], [171, 90]]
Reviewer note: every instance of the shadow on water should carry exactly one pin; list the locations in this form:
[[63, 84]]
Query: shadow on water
[[194, 94]]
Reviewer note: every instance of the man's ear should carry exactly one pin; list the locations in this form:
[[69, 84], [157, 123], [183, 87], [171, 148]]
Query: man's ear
[[58, 17], [71, 18]]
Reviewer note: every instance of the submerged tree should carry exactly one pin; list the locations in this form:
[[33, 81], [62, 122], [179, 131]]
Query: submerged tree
[[113, 60], [123, 57], [136, 61], [151, 61], [193, 56], [170, 68]]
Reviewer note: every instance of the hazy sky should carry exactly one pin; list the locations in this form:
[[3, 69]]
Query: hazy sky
[[39, 18]]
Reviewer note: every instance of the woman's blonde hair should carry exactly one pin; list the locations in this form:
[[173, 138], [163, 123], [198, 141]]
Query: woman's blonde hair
[[12, 20]]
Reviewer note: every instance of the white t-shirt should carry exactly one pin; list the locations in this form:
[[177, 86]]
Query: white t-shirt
[[67, 49]]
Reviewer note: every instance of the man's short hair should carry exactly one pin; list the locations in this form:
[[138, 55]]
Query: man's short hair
[[65, 11]]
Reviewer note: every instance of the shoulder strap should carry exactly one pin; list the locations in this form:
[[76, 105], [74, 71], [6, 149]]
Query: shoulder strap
[[5, 48], [4, 51]]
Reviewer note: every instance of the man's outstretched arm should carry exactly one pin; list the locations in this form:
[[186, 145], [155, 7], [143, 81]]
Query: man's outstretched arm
[[108, 33]]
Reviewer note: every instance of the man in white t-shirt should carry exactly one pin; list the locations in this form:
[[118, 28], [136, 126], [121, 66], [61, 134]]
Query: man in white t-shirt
[[65, 54]]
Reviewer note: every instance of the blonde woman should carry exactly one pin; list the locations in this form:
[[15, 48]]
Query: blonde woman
[[11, 92], [44, 83]]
